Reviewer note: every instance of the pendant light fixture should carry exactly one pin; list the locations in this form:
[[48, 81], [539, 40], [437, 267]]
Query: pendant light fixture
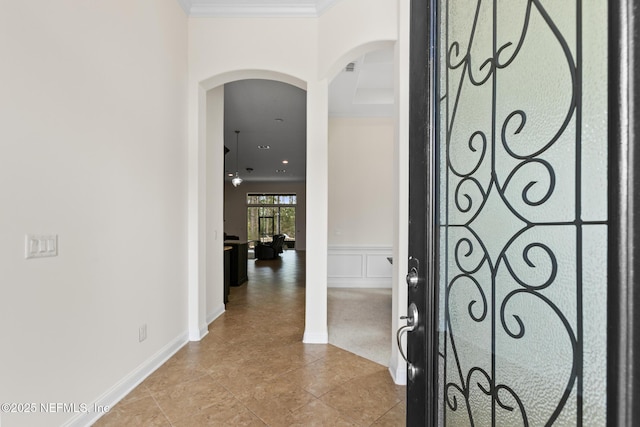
[[236, 179]]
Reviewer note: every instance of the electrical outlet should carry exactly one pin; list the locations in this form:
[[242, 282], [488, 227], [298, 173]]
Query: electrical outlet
[[142, 333]]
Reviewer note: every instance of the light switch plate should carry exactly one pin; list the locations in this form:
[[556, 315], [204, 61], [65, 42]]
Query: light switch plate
[[40, 245]]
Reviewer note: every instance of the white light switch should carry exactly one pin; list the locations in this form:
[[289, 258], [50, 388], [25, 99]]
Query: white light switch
[[40, 245]]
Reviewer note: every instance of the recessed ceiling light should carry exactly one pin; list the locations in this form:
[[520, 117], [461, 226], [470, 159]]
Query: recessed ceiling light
[[229, 174], [264, 147], [279, 120], [285, 162]]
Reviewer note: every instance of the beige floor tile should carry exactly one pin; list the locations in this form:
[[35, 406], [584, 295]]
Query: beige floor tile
[[224, 414], [252, 369], [192, 398], [136, 394], [364, 399], [332, 371], [175, 371], [142, 412], [318, 414], [395, 417], [281, 393], [278, 411]]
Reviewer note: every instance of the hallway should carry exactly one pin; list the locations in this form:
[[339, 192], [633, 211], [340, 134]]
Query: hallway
[[253, 370]]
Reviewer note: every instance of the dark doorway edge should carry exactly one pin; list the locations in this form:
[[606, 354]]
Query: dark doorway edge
[[624, 200]]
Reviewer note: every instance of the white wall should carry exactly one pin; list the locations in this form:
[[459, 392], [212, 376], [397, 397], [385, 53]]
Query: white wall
[[351, 28], [215, 190], [235, 206], [361, 181], [92, 148], [361, 192]]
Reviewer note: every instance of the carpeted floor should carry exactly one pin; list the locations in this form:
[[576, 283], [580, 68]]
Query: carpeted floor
[[360, 322]]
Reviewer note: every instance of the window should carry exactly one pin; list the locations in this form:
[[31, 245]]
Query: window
[[271, 199], [269, 214]]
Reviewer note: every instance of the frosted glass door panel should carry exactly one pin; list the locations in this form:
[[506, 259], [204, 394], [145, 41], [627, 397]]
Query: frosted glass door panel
[[523, 212]]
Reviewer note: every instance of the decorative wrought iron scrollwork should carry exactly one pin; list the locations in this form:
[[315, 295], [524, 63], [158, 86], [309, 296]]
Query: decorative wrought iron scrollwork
[[505, 162]]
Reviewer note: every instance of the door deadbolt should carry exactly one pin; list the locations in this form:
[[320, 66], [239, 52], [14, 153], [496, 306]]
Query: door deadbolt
[[412, 278]]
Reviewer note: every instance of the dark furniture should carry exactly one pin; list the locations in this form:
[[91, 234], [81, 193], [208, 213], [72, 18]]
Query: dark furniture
[[289, 243], [238, 262], [272, 249], [227, 272]]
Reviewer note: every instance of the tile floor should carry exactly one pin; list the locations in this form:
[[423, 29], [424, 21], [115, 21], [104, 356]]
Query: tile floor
[[253, 370]]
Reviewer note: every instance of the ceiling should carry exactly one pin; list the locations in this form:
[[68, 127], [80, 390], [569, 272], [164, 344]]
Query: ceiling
[[267, 113], [271, 113]]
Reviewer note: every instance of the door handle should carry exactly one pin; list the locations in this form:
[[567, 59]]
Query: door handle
[[412, 322]]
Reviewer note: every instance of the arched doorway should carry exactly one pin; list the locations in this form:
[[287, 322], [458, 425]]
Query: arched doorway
[[206, 198]]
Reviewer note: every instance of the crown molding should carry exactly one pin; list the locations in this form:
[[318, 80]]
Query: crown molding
[[229, 8], [323, 5], [185, 5]]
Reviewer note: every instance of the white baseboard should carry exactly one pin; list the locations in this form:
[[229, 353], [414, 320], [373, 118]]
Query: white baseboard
[[364, 283], [315, 338], [398, 372], [217, 312], [128, 383], [204, 331]]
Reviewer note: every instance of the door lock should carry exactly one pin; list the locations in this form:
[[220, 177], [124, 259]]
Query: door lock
[[412, 278], [411, 318]]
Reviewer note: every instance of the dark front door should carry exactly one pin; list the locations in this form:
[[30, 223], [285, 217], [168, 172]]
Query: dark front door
[[520, 275], [421, 343]]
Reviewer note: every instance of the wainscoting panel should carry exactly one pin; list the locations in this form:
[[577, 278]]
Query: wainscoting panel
[[345, 265], [359, 267], [379, 266]]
